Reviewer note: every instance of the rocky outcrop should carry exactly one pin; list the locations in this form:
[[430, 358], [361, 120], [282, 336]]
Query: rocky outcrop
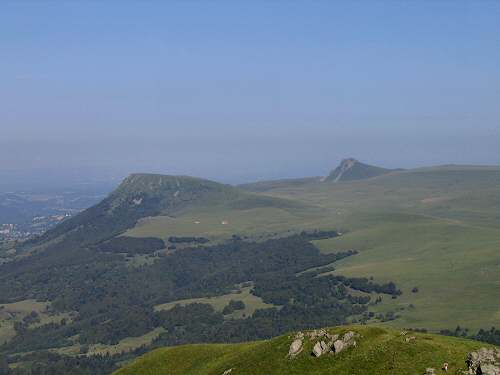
[[347, 341], [484, 361], [430, 371], [297, 345], [323, 342], [338, 346]]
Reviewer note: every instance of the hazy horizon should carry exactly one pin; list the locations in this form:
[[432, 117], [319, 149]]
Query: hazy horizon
[[237, 92]]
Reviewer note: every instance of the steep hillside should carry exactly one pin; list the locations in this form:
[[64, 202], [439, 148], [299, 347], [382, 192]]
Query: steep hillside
[[351, 170], [371, 351], [150, 195], [138, 196]]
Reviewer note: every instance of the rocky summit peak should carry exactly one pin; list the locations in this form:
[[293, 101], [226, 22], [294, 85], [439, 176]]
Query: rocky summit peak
[[351, 169], [348, 163]]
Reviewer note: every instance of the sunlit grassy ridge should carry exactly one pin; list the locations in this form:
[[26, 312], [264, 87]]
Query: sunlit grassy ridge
[[378, 351]]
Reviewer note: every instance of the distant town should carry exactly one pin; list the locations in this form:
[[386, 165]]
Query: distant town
[[27, 214], [39, 224]]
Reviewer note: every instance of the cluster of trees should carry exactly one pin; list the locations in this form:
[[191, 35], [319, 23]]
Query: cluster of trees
[[491, 336], [319, 234], [233, 306], [46, 363], [365, 285], [199, 240]]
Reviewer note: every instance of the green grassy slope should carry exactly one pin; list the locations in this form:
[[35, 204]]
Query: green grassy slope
[[378, 351], [434, 228]]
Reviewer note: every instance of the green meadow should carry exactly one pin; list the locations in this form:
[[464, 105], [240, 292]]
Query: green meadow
[[243, 293]]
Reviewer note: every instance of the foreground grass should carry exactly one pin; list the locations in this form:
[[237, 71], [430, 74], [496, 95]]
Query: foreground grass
[[379, 351]]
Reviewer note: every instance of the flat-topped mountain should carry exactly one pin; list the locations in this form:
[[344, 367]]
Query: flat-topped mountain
[[138, 196], [351, 169], [143, 195]]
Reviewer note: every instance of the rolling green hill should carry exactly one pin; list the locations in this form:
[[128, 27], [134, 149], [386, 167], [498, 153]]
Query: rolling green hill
[[377, 351]]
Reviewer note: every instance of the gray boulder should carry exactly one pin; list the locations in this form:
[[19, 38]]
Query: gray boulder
[[338, 346], [295, 348], [346, 341], [320, 348]]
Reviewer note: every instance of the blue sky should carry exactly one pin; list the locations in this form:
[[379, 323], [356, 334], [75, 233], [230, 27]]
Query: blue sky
[[242, 90]]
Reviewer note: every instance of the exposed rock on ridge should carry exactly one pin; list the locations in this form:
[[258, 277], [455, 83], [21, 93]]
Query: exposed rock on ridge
[[323, 341]]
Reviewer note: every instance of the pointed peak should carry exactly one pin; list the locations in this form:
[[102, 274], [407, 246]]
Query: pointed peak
[[351, 169]]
